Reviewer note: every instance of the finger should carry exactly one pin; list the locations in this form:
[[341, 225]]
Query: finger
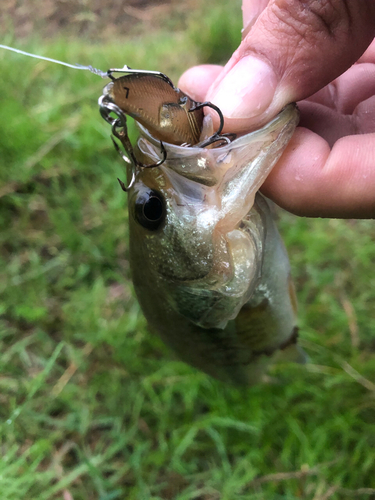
[[369, 55], [348, 90], [196, 80], [328, 123], [354, 97], [294, 49], [364, 115], [251, 9], [311, 180]]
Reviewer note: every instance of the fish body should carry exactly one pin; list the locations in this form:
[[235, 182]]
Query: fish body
[[209, 267]]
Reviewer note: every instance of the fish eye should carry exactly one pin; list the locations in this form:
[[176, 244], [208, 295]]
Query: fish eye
[[150, 209]]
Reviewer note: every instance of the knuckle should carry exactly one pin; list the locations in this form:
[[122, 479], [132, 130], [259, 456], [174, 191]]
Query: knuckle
[[308, 19]]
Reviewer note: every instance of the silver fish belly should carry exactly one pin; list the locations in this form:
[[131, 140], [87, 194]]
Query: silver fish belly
[[209, 267]]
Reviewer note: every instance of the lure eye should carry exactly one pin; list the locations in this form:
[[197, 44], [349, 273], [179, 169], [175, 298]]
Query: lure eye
[[150, 209]]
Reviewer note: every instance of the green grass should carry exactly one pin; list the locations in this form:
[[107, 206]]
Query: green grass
[[92, 406], [221, 33]]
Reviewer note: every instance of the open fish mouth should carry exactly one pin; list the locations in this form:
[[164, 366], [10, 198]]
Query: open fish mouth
[[208, 166], [214, 189]]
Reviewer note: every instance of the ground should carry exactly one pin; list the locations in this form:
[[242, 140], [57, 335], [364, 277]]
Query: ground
[[92, 406], [96, 19]]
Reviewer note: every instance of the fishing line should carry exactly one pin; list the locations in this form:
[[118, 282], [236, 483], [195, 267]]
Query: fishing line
[[98, 72]]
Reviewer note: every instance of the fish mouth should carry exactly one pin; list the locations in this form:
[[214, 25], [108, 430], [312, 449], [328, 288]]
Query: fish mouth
[[289, 113], [227, 177], [208, 166]]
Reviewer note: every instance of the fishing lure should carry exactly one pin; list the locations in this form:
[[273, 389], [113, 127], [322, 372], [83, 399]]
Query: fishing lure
[[151, 98], [154, 102]]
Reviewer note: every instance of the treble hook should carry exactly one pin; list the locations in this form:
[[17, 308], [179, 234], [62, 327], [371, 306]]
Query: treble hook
[[217, 136], [120, 131], [126, 160]]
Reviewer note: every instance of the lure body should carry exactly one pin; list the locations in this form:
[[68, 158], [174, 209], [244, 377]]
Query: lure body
[[167, 112], [209, 267]]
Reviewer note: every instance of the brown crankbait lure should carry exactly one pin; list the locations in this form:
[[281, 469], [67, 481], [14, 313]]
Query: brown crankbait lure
[[153, 101], [168, 113]]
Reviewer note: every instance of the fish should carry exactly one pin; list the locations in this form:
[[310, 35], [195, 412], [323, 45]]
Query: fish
[[208, 264]]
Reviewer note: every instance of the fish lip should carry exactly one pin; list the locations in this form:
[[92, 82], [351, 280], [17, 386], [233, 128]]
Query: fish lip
[[174, 150]]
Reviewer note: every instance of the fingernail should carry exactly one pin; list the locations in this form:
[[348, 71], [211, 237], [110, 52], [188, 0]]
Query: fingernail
[[247, 90]]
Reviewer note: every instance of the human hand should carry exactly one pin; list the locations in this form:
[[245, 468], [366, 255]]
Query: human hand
[[302, 50]]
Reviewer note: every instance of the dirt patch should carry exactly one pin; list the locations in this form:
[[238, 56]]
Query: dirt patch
[[97, 19]]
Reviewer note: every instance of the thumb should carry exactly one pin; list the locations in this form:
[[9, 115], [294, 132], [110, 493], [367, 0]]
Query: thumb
[[294, 49]]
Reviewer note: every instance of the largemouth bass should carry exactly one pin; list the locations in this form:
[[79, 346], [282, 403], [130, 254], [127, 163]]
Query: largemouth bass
[[209, 267]]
